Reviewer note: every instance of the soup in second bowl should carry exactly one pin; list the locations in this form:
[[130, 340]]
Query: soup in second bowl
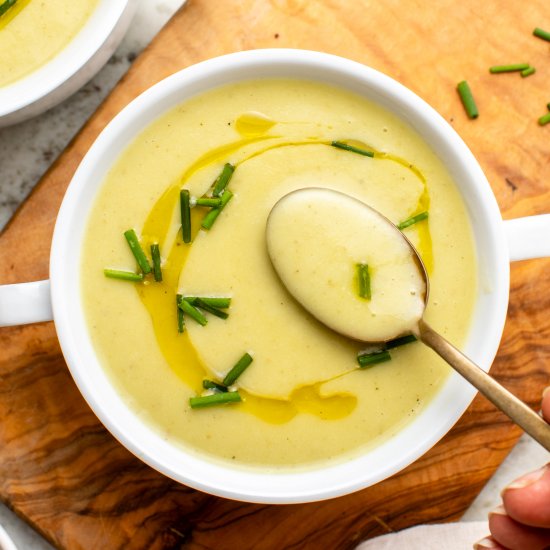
[[200, 183], [32, 32]]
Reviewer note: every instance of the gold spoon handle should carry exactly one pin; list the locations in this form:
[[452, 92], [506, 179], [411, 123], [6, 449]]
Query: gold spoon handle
[[507, 402]]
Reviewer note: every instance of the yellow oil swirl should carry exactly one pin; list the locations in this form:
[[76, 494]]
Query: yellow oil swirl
[[159, 298]]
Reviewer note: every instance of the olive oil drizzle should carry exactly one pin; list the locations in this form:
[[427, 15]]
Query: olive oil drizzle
[[159, 298]]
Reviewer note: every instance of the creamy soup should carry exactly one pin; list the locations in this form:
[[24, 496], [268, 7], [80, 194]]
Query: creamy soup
[[34, 31], [304, 399]]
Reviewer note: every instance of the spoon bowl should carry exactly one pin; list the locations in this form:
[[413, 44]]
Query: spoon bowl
[[316, 236]]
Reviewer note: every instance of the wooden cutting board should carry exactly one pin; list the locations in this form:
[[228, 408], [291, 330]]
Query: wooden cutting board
[[68, 477]]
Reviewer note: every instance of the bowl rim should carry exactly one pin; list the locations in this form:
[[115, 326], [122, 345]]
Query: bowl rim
[[65, 64], [189, 467]]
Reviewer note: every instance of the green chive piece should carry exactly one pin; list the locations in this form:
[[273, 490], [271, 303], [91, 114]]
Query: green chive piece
[[544, 119], [241, 365], [401, 341], [346, 147], [185, 208], [220, 303], [199, 302], [223, 180], [548, 106], [181, 318], [214, 399], [193, 312], [212, 216], [207, 201], [366, 360], [155, 255], [137, 251], [527, 72], [211, 385], [496, 69], [123, 275], [467, 99], [363, 276], [413, 220], [545, 35], [5, 6]]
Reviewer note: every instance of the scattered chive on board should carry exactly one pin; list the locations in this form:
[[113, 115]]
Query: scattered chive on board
[[401, 341], [527, 72], [544, 119], [467, 99], [185, 208], [137, 251], [199, 302], [193, 312], [211, 385], [370, 359], [5, 6], [242, 364], [214, 399], [123, 275], [212, 216], [363, 277], [539, 33], [155, 255], [222, 180], [414, 219], [208, 201], [346, 147], [513, 67], [181, 318]]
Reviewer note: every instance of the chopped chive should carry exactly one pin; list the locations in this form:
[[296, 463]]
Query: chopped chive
[[193, 312], [363, 276], [544, 119], [199, 302], [220, 303], [346, 147], [413, 220], [214, 399], [496, 69], [545, 35], [207, 201], [211, 385], [527, 72], [181, 319], [185, 208], [241, 365], [155, 255], [548, 106], [5, 6], [123, 275], [223, 180], [369, 359], [467, 99], [137, 251], [212, 216], [396, 342]]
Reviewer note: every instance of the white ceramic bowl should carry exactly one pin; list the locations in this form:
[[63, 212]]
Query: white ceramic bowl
[[72, 67], [32, 301]]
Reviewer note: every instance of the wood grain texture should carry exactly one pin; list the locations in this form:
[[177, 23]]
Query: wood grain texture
[[60, 469]]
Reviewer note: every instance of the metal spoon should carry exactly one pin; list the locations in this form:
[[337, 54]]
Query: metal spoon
[[518, 411]]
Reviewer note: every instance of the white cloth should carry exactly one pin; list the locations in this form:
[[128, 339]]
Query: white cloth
[[445, 536]]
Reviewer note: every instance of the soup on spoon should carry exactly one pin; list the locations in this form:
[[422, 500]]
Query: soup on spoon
[[355, 271]]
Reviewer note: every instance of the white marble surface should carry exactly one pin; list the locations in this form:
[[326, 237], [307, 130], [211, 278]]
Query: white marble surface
[[28, 149]]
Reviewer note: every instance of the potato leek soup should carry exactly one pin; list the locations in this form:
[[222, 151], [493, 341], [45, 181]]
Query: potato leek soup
[[189, 317], [33, 31]]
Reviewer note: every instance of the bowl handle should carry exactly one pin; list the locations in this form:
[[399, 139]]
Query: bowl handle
[[528, 237], [25, 303]]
